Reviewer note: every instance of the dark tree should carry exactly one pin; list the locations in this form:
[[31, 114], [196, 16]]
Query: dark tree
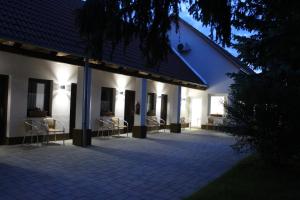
[[264, 109], [149, 21]]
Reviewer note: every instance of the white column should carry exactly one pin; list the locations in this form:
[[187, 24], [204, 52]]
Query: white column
[[175, 118], [82, 135], [139, 129], [141, 98]]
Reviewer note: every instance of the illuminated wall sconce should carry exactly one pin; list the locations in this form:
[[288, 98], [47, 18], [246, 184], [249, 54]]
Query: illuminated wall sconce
[[120, 92], [62, 87]]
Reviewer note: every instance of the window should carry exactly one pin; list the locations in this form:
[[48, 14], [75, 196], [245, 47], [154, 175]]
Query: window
[[39, 98], [151, 104], [107, 101], [217, 105]]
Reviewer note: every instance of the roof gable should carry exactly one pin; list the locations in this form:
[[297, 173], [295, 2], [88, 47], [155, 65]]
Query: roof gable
[[235, 61]]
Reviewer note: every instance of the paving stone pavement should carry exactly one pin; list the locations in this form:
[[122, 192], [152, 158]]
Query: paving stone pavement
[[163, 166]]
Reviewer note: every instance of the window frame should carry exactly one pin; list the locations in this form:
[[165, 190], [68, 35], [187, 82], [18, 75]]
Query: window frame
[[48, 91], [209, 104], [113, 102]]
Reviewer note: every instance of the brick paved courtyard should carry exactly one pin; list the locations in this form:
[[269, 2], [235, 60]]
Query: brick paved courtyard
[[164, 166]]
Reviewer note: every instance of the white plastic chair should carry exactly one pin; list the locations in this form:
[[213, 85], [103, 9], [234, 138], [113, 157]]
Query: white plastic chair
[[103, 125], [54, 127], [35, 129], [119, 124]]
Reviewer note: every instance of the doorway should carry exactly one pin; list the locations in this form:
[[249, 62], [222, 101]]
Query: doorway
[[73, 108], [164, 107], [3, 106], [129, 108], [196, 112]]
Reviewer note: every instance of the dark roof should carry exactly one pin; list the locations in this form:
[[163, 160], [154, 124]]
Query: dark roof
[[50, 24], [217, 47]]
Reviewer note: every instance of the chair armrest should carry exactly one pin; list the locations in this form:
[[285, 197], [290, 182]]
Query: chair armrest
[[122, 122], [30, 125]]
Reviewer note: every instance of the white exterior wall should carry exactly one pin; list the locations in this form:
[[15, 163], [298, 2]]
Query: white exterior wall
[[160, 88], [20, 69], [120, 83], [209, 63], [103, 79], [188, 109]]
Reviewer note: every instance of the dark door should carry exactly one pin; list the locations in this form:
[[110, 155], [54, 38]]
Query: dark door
[[73, 108], [3, 106], [129, 108], [164, 107]]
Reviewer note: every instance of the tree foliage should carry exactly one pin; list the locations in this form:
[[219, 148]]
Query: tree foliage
[[275, 31], [264, 113], [264, 109], [121, 21]]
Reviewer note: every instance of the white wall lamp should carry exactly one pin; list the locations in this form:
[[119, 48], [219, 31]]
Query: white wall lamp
[[62, 87], [120, 92]]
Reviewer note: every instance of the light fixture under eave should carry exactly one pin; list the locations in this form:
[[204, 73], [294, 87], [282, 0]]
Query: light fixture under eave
[[143, 73]]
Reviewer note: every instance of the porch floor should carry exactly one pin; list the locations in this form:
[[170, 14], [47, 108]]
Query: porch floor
[[163, 166]]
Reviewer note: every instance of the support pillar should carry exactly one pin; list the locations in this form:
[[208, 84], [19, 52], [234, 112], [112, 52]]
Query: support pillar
[[139, 129], [83, 137], [175, 119]]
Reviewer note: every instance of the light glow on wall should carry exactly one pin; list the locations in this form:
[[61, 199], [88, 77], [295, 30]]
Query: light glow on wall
[[159, 88], [63, 74], [196, 112], [121, 82], [159, 91], [217, 105]]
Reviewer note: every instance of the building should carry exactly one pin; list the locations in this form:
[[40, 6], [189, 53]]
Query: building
[[42, 74], [210, 62]]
